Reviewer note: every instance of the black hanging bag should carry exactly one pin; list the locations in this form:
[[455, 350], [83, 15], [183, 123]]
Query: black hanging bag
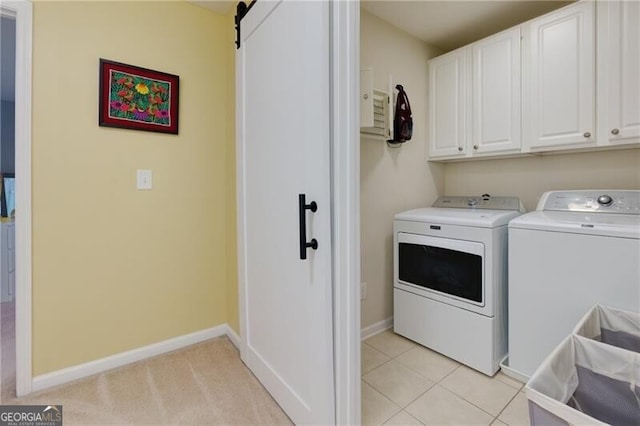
[[402, 121]]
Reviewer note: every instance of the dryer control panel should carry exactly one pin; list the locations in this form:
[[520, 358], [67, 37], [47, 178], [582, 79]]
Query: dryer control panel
[[484, 201], [593, 201]]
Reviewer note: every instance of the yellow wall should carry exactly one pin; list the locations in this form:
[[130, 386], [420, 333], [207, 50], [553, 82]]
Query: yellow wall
[[115, 268], [232, 247]]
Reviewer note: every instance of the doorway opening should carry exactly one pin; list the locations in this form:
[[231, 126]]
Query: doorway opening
[[20, 13], [7, 206]]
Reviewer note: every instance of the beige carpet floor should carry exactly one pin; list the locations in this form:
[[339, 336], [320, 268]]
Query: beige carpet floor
[[7, 350], [204, 384]]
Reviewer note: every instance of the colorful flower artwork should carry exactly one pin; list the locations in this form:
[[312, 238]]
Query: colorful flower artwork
[[138, 98]]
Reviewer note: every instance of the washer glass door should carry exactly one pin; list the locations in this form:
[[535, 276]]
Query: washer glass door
[[450, 267]]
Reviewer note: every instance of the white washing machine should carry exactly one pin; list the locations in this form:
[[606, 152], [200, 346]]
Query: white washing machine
[[450, 271], [577, 249]]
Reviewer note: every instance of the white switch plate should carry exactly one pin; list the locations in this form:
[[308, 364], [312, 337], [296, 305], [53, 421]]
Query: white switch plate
[[144, 179], [363, 291]]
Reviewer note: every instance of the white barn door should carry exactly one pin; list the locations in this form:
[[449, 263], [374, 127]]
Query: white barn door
[[284, 149]]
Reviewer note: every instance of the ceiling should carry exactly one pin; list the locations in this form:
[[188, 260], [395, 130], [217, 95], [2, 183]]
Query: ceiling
[[445, 24], [450, 24]]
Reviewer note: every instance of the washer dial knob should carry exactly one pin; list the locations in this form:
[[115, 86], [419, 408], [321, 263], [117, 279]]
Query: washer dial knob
[[605, 200]]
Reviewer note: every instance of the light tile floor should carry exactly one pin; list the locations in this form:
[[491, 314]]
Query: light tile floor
[[404, 383]]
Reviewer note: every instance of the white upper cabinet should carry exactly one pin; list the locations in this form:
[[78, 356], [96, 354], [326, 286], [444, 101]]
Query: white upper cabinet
[[448, 80], [495, 106], [619, 72], [533, 88], [474, 98], [559, 78]]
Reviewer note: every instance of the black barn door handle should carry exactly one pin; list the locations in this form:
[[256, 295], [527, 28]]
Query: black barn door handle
[[302, 211]]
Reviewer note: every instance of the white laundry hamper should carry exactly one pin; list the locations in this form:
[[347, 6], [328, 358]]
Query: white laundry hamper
[[584, 381], [611, 326]]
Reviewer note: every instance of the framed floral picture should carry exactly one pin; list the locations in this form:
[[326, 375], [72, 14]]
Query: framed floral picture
[[138, 98]]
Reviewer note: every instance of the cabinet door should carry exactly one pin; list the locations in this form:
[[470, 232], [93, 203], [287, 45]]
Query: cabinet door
[[447, 104], [622, 71], [560, 78], [496, 93]]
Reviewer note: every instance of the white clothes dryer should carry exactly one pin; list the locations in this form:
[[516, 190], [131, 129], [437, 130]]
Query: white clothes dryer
[[450, 271], [577, 249]]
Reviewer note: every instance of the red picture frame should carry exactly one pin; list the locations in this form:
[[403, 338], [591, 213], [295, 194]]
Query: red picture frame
[[138, 98]]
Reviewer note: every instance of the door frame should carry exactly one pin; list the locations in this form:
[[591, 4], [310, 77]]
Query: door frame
[[22, 10], [345, 198], [345, 208]]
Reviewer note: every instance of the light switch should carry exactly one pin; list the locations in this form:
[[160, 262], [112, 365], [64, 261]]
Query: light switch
[[144, 179]]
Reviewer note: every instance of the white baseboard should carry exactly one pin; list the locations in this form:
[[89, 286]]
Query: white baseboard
[[66, 375], [233, 337], [80, 371], [376, 328]]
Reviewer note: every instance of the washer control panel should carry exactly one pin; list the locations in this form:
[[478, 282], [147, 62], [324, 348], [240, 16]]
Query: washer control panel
[[599, 201], [484, 201]]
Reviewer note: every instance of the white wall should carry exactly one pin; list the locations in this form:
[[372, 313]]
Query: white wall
[[392, 179], [529, 177]]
